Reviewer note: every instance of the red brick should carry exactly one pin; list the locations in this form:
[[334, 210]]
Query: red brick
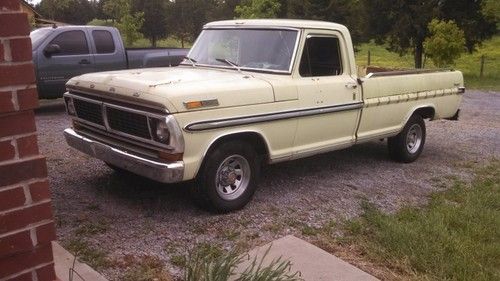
[[7, 151], [16, 243], [12, 264], [20, 49], [46, 233], [27, 146], [17, 123], [14, 24], [46, 273], [23, 277], [2, 57], [12, 5], [23, 169], [12, 198], [27, 98], [23, 217], [6, 104], [20, 74], [39, 191]]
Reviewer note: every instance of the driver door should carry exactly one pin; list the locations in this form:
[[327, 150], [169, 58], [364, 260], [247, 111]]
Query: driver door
[[73, 59]]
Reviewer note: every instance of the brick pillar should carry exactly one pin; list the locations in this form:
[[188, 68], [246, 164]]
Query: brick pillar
[[26, 220]]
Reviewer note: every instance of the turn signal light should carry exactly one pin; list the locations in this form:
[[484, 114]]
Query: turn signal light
[[169, 156], [193, 104]]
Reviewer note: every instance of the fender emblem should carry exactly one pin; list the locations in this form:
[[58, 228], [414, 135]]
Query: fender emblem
[[136, 94]]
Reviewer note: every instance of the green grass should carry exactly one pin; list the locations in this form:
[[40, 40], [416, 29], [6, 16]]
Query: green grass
[[455, 237], [147, 268], [87, 253], [469, 64]]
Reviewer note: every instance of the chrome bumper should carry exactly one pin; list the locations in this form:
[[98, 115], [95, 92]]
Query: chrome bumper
[[162, 172]]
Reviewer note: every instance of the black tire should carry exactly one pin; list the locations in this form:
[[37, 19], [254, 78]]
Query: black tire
[[218, 187], [407, 146]]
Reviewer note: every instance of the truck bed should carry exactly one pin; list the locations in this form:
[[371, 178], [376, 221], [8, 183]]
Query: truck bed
[[154, 57]]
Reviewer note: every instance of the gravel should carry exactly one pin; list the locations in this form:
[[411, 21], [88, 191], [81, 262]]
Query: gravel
[[139, 217]]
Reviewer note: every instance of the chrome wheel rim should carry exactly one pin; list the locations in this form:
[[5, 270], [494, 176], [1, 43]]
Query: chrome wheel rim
[[414, 138], [233, 177]]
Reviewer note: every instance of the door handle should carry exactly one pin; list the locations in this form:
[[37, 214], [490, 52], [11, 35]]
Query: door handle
[[351, 86], [84, 61]]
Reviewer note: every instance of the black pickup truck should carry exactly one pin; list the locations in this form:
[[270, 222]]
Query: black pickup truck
[[61, 53]]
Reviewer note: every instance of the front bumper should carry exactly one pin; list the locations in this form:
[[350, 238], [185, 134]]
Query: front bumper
[[158, 171]]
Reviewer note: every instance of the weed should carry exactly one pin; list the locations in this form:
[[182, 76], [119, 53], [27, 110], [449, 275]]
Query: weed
[[91, 228], [93, 256], [147, 268]]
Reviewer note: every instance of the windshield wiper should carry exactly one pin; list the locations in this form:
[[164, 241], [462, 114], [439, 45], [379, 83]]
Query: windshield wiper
[[192, 61], [226, 61]]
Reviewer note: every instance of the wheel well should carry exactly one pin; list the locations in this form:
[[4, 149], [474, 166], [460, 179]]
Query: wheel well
[[254, 139], [426, 112]]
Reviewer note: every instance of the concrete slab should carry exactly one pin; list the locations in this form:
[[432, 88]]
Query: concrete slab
[[313, 263], [63, 262]]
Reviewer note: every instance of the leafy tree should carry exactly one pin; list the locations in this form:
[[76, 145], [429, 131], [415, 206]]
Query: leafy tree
[[402, 24], [187, 17], [258, 9], [446, 42], [113, 9], [155, 20], [130, 24], [469, 16], [68, 11]]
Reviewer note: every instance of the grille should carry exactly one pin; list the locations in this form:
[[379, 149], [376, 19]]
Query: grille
[[128, 122], [88, 111]]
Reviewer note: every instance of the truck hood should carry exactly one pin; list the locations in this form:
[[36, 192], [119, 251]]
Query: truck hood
[[173, 87]]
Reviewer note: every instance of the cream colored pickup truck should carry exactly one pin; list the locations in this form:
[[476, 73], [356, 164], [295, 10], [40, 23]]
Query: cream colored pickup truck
[[252, 92]]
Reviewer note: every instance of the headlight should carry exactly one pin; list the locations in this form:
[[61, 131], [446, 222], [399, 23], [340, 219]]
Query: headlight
[[162, 134], [70, 106]]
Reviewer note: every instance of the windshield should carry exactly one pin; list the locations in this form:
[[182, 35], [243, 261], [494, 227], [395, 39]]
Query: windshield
[[248, 49], [38, 35]]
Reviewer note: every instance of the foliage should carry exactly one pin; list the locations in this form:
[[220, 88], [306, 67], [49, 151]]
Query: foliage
[[113, 9], [254, 9], [155, 20], [456, 237], [147, 268], [446, 42], [130, 24], [469, 17], [204, 264], [491, 9], [99, 22], [67, 11]]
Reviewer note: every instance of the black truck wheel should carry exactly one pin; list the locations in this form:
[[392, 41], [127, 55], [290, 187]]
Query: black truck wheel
[[228, 177], [409, 143]]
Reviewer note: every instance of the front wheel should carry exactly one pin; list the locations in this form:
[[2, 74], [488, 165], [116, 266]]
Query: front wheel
[[227, 179], [407, 146]]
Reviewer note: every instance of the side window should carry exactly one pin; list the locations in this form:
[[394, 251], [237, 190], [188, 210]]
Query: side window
[[103, 41], [71, 43], [321, 57]]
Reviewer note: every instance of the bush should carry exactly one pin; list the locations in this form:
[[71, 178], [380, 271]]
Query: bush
[[446, 42]]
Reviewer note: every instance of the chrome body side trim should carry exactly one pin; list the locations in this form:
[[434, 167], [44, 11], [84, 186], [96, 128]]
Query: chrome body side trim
[[158, 171], [405, 72], [245, 120]]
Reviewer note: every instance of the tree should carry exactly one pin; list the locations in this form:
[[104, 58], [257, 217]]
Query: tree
[[130, 24], [253, 9], [113, 9], [402, 24], [155, 20], [187, 17], [67, 11], [446, 42], [469, 16]]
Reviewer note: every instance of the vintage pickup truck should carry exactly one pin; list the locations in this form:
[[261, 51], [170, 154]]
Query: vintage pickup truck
[[60, 53], [252, 92]]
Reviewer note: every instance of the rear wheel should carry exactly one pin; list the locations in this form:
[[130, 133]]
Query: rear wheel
[[227, 179], [407, 146]]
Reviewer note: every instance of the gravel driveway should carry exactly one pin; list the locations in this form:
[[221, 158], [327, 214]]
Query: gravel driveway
[[139, 217]]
